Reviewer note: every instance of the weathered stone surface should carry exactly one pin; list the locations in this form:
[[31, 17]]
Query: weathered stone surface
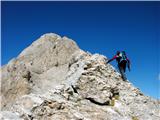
[[53, 79]]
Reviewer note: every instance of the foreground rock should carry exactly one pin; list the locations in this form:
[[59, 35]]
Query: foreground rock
[[55, 80]]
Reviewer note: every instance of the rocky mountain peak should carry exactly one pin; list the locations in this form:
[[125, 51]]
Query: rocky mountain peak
[[54, 79]]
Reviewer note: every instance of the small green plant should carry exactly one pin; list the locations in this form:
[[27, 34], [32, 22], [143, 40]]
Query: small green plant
[[112, 102], [134, 118]]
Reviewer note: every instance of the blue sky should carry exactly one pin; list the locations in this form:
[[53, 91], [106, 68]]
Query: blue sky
[[97, 27]]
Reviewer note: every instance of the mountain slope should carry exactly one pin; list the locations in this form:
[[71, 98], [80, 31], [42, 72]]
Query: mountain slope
[[54, 79]]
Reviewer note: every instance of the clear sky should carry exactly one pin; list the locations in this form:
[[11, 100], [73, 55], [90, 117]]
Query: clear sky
[[97, 27]]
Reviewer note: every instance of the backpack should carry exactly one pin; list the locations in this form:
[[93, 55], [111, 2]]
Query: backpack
[[123, 56]]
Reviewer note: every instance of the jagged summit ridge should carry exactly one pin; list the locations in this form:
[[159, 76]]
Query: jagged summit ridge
[[45, 42], [54, 79], [51, 35]]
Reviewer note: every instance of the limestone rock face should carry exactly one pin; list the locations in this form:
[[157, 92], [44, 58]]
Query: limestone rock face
[[53, 79]]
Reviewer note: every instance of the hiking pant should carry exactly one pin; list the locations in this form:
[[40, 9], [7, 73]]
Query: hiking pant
[[122, 69]]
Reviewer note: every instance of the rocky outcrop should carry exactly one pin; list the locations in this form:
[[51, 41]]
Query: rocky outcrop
[[53, 79]]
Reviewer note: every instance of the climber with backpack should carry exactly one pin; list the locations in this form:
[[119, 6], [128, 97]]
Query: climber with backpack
[[122, 61]]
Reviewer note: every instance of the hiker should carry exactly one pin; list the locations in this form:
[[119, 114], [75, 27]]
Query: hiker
[[122, 61]]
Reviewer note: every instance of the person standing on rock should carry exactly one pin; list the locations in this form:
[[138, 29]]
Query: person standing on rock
[[122, 61]]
